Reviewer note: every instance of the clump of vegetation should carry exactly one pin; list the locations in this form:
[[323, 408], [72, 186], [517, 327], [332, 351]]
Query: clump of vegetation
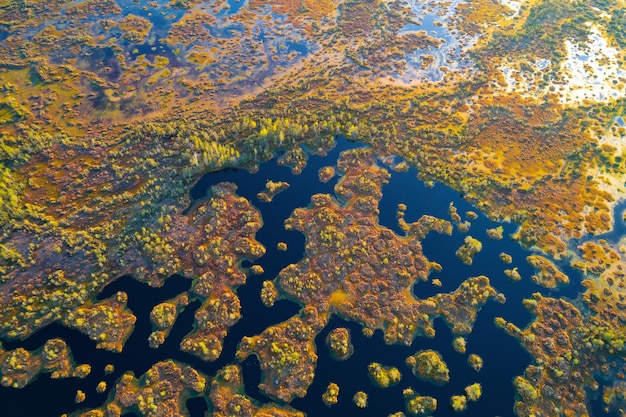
[[506, 258], [499, 322], [101, 387], [163, 316], [475, 362], [82, 371], [19, 367], [458, 403], [286, 354], [547, 274], [228, 398], [473, 392], [455, 217], [383, 376], [418, 405], [360, 399], [525, 389], [272, 188], [165, 386], [339, 343], [459, 344], [495, 233], [331, 395], [469, 248], [108, 322], [513, 274], [257, 269], [464, 226], [80, 397], [268, 293], [428, 365], [326, 174]]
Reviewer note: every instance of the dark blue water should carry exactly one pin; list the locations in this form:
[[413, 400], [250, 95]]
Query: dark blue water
[[233, 7], [503, 357]]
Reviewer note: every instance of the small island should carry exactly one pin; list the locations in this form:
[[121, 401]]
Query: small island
[[339, 343], [383, 376], [429, 366]]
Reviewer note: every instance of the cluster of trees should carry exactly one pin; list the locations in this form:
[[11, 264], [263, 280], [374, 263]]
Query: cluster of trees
[[10, 191], [212, 154]]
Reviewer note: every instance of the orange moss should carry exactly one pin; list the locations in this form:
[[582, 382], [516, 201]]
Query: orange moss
[[326, 173], [89, 190], [192, 27], [547, 274], [20, 367], [215, 261], [163, 316], [339, 343], [135, 28], [428, 365], [164, 388], [562, 367], [287, 355], [349, 257], [229, 399], [108, 323]]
